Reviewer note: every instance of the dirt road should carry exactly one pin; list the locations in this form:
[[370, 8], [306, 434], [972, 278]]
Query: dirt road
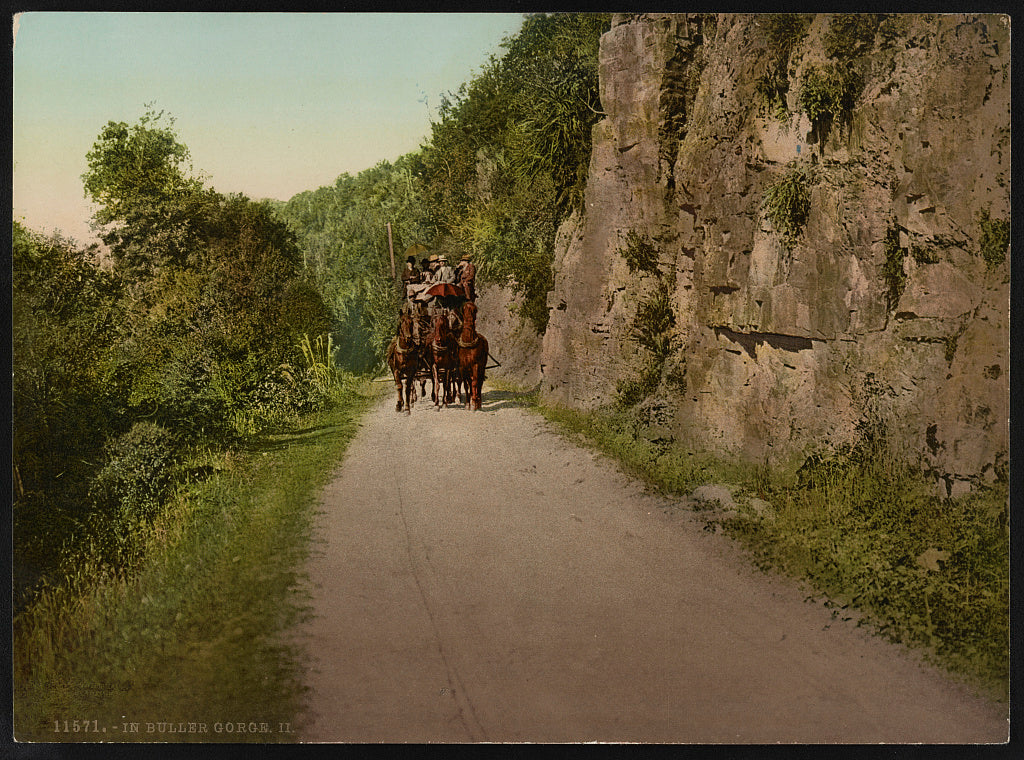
[[476, 578]]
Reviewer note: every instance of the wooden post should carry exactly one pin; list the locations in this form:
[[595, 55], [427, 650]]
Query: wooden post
[[391, 249]]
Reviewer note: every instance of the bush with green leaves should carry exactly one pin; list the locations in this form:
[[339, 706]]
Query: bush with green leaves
[[66, 319], [866, 528], [787, 204], [631, 391], [640, 253], [137, 475], [651, 329], [654, 322]]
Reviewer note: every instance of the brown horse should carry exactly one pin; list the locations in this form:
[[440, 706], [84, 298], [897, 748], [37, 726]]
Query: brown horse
[[444, 360], [455, 327], [404, 359], [472, 356], [421, 333]]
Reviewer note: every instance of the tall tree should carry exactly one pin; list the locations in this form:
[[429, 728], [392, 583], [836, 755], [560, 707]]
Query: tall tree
[[150, 207]]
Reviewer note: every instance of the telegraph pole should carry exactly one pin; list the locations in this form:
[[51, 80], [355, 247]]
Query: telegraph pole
[[391, 249]]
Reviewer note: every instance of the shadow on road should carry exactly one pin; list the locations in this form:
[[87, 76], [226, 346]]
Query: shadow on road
[[494, 400]]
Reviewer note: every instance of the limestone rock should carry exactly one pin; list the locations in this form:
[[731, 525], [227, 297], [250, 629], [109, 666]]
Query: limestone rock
[[780, 348], [714, 495]]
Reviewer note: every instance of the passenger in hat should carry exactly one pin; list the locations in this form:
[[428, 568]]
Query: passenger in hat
[[410, 273], [427, 273], [411, 279], [444, 272], [467, 276]]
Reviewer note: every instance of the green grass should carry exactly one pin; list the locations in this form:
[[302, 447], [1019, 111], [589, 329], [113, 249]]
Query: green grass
[[193, 628], [864, 529]]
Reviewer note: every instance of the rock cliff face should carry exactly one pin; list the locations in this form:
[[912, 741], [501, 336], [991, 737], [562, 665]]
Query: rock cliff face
[[889, 304]]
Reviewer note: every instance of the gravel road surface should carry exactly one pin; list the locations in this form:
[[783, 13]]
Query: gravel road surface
[[477, 578]]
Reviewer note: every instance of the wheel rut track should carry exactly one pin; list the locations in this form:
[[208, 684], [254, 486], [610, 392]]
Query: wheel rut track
[[457, 689]]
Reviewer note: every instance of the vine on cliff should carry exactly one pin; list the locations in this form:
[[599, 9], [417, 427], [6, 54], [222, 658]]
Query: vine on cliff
[[782, 33], [787, 204], [995, 238], [640, 254], [892, 270]]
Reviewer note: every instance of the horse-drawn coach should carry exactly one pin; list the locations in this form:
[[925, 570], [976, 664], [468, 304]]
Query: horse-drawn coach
[[439, 343]]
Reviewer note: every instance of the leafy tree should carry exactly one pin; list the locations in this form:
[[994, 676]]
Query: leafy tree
[[208, 276], [150, 209]]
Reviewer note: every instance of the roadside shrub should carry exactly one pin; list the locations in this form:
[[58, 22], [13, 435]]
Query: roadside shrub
[[995, 238], [651, 329], [632, 391], [867, 530], [137, 473], [653, 323], [303, 310], [787, 204]]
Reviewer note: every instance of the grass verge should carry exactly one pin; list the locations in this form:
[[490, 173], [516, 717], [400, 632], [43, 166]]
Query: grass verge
[[192, 644], [863, 529]]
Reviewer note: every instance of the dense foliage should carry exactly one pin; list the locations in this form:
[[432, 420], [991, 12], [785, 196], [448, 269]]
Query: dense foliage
[[505, 164], [66, 317], [190, 337], [342, 233], [508, 159]]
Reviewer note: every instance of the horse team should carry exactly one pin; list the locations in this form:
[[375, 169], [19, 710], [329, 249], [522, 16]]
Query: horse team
[[454, 359]]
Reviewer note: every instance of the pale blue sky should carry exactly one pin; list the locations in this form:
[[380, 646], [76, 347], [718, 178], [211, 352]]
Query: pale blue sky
[[269, 104]]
